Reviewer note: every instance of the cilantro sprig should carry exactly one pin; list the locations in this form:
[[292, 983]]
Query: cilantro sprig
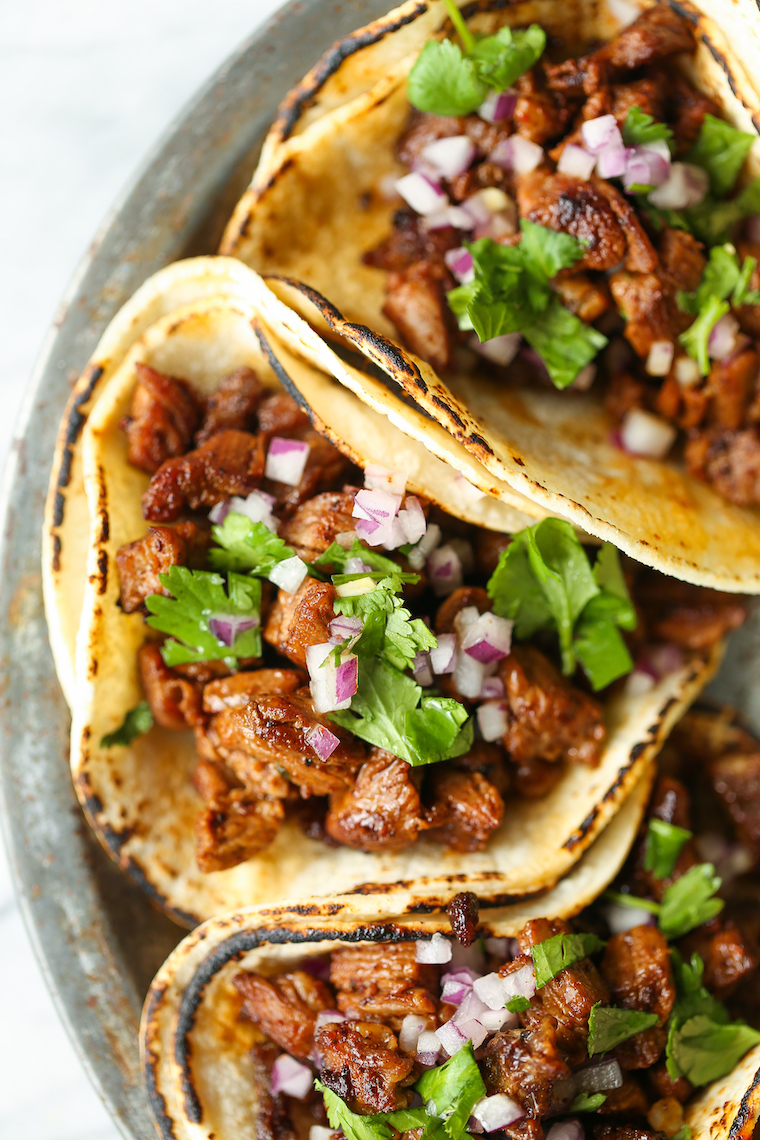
[[511, 292], [664, 844], [197, 596], [389, 631], [454, 1089], [448, 81], [725, 282], [555, 954], [544, 581], [247, 547], [609, 1026], [721, 150], [137, 722], [587, 1102], [687, 903], [641, 129]]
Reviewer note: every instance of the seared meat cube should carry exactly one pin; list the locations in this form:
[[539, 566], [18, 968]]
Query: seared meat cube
[[175, 701], [671, 803], [729, 956], [587, 298], [548, 717], [730, 461], [736, 778], [647, 94], [534, 778], [164, 414], [273, 729], [619, 1131], [317, 523], [731, 386], [279, 414], [569, 996], [233, 405], [140, 563], [694, 617], [468, 807], [682, 258], [686, 111], [641, 257], [299, 620], [425, 128], [360, 1062], [410, 241], [237, 690], [270, 1110], [384, 982], [382, 811], [525, 1064], [490, 760], [285, 1007], [235, 823], [648, 304], [636, 967], [416, 303], [489, 545], [572, 206], [458, 600], [538, 115], [230, 463], [663, 1085], [624, 392], [629, 1099]]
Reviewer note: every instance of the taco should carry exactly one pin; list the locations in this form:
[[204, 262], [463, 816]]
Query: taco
[[627, 1021], [309, 715], [572, 230]]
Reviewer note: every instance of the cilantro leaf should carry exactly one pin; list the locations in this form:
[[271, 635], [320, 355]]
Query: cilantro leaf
[[697, 335], [444, 81], [390, 711], [683, 1133], [587, 1102], [137, 721], [544, 581], [502, 58], [689, 901], [609, 1026], [691, 996], [353, 1126], [454, 1088], [721, 150], [663, 846], [719, 279], [640, 129], [247, 546], [698, 1010], [632, 901], [336, 557], [517, 1004], [197, 596], [711, 221], [564, 342], [702, 1051], [389, 629], [742, 294], [548, 250], [555, 954]]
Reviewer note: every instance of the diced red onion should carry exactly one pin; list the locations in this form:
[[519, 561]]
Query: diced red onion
[[459, 262], [286, 460], [500, 226], [465, 619], [375, 504], [611, 161], [517, 154], [492, 720], [322, 741], [412, 519], [476, 206], [571, 1129], [471, 1029], [347, 679], [488, 639], [493, 689], [326, 682], [584, 379], [387, 188], [378, 478], [396, 534], [641, 433], [686, 185], [597, 1078], [520, 983], [371, 532], [454, 992], [227, 627], [328, 1016], [257, 507], [320, 1132], [356, 566], [451, 1037], [469, 675], [491, 991], [638, 683], [496, 1019], [344, 626], [428, 1047], [288, 574], [411, 1027], [422, 669], [498, 105], [470, 1007], [469, 492], [427, 544], [660, 358], [444, 570], [646, 166], [219, 512], [623, 918], [435, 950], [441, 220], [600, 133], [664, 659], [449, 156], [420, 193], [499, 349], [624, 11], [291, 1077], [498, 1111], [576, 161], [443, 657], [722, 339]]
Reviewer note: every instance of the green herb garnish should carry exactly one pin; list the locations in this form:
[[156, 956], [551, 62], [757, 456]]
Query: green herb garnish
[[663, 846], [640, 129], [555, 954], [197, 596], [609, 1026], [137, 721]]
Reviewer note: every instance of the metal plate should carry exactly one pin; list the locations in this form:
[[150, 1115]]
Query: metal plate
[[98, 940]]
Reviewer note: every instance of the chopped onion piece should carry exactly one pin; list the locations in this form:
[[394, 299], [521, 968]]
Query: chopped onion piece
[[600, 133], [443, 657], [219, 511], [687, 372], [469, 675], [451, 1037], [472, 1030], [396, 535], [638, 683], [444, 570], [686, 185], [449, 156], [328, 1016], [489, 638], [576, 162], [493, 689], [476, 207], [425, 546], [412, 520], [641, 433], [722, 340], [377, 478], [498, 105], [490, 990], [499, 349], [465, 619], [623, 918], [597, 1078], [520, 983], [291, 1077], [492, 720], [322, 741], [496, 1112], [344, 626], [375, 504], [420, 193], [428, 1047], [660, 358], [319, 1132], [422, 669], [286, 460], [517, 154], [661, 660], [611, 162], [257, 507], [566, 1130], [327, 682], [433, 950], [411, 1027], [288, 574], [226, 627], [460, 263], [495, 1019], [357, 566]]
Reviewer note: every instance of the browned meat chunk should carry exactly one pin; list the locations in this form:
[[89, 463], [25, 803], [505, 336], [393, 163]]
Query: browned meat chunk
[[273, 729], [618, 1131], [686, 111], [489, 545], [285, 1007], [232, 692], [538, 116], [730, 461], [317, 523], [749, 315], [279, 414], [140, 563], [587, 298], [627, 1100], [233, 405], [525, 1064], [174, 701], [235, 823], [736, 779], [410, 241], [535, 778], [624, 392], [459, 600], [489, 760], [165, 412], [648, 94], [731, 386], [549, 718], [361, 1064], [636, 967], [468, 806], [569, 205], [693, 617], [729, 955], [230, 463], [463, 912], [682, 258], [424, 129], [382, 811], [641, 257], [299, 620], [647, 303], [271, 1120], [416, 303], [384, 982], [663, 1084], [671, 803]]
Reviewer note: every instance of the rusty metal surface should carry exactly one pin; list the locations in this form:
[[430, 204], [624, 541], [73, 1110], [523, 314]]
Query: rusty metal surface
[[98, 940]]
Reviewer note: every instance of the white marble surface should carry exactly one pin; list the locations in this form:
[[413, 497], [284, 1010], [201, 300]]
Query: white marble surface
[[86, 86]]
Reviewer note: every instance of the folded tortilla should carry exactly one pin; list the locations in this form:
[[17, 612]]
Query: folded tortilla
[[140, 798], [314, 209]]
